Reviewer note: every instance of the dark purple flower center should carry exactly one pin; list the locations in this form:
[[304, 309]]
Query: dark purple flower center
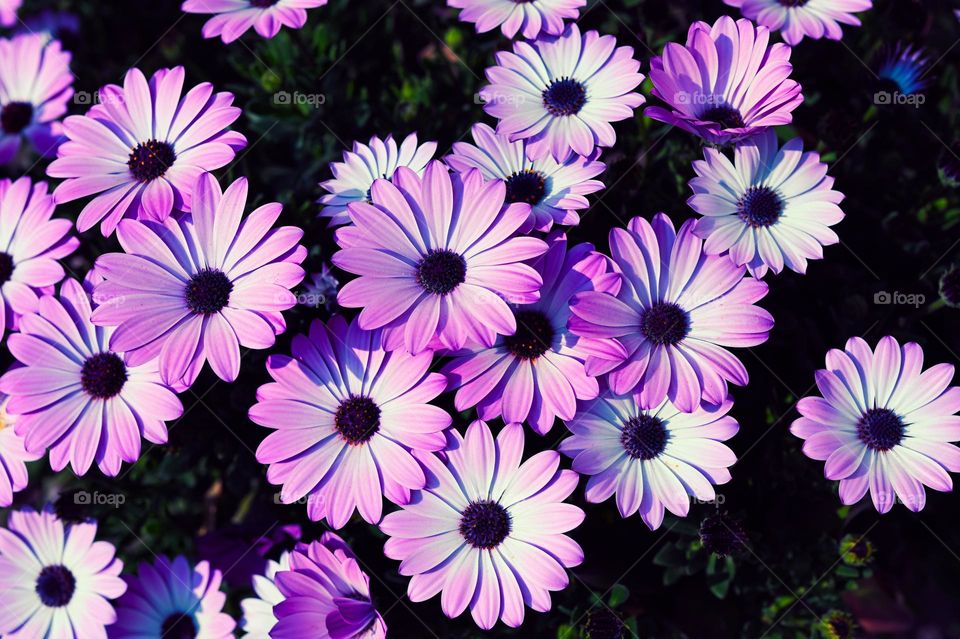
[[263, 4], [484, 524], [949, 287], [880, 429], [726, 116], [103, 375], [533, 337], [760, 206], [6, 267], [208, 291], [55, 586], [564, 97], [150, 160], [441, 271], [16, 116], [793, 3], [840, 625], [357, 419], [603, 623], [178, 625], [664, 324], [644, 437], [526, 186], [721, 535]]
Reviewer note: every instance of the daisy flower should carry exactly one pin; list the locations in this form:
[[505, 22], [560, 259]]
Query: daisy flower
[[13, 456], [537, 374], [30, 245], [8, 12], [325, 591], [561, 94], [814, 19], [883, 423], [554, 190], [142, 148], [232, 18], [677, 312], [258, 618], [769, 208], [346, 415], [197, 288], [57, 580], [487, 530], [377, 159], [173, 600], [530, 17], [53, 25], [436, 256], [35, 88], [651, 458], [903, 69], [724, 84]]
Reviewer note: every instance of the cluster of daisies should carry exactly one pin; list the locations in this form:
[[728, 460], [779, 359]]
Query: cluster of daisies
[[464, 282]]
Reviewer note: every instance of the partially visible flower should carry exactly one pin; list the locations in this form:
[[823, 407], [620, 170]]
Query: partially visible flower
[[232, 18], [722, 535], [772, 207], [242, 550], [713, 92], [950, 287], [53, 25], [856, 550], [603, 623], [258, 618], [948, 165], [837, 624], [904, 69], [13, 456], [321, 290], [555, 191], [530, 17], [378, 159], [487, 530], [8, 12], [57, 580], [795, 19], [561, 94]]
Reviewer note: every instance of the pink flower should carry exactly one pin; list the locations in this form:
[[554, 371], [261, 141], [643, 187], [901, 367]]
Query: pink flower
[[234, 17], [13, 456], [529, 18]]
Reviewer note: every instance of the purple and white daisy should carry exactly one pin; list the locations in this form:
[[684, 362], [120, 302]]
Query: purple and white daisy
[[769, 208], [57, 580], [8, 12], [724, 84], [529, 17], [258, 618], [436, 256], [561, 94], [232, 18], [378, 159], [172, 599], [78, 397], [677, 312], [142, 148], [197, 288], [487, 530], [13, 456], [554, 190], [537, 374], [652, 458], [883, 423], [326, 594], [814, 19], [35, 88], [346, 415]]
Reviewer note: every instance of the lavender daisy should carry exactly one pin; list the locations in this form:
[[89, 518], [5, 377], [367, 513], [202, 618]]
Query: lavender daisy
[[8, 12], [769, 208], [346, 415], [561, 94], [142, 148], [487, 530], [795, 19], [197, 288], [677, 312], [435, 256], [651, 458], [232, 18], [883, 423], [711, 93], [530, 17], [13, 456], [555, 191], [258, 618], [57, 580]]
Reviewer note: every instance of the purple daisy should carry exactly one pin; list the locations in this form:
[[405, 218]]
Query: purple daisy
[[677, 312], [725, 84], [35, 88], [554, 190], [769, 208], [883, 423], [172, 599], [537, 374], [530, 17], [232, 18], [346, 416], [487, 530], [13, 456], [78, 397], [366, 163], [814, 19], [8, 12], [561, 94], [436, 256], [258, 618], [52, 25], [197, 288], [142, 148], [326, 594], [652, 458], [57, 580]]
